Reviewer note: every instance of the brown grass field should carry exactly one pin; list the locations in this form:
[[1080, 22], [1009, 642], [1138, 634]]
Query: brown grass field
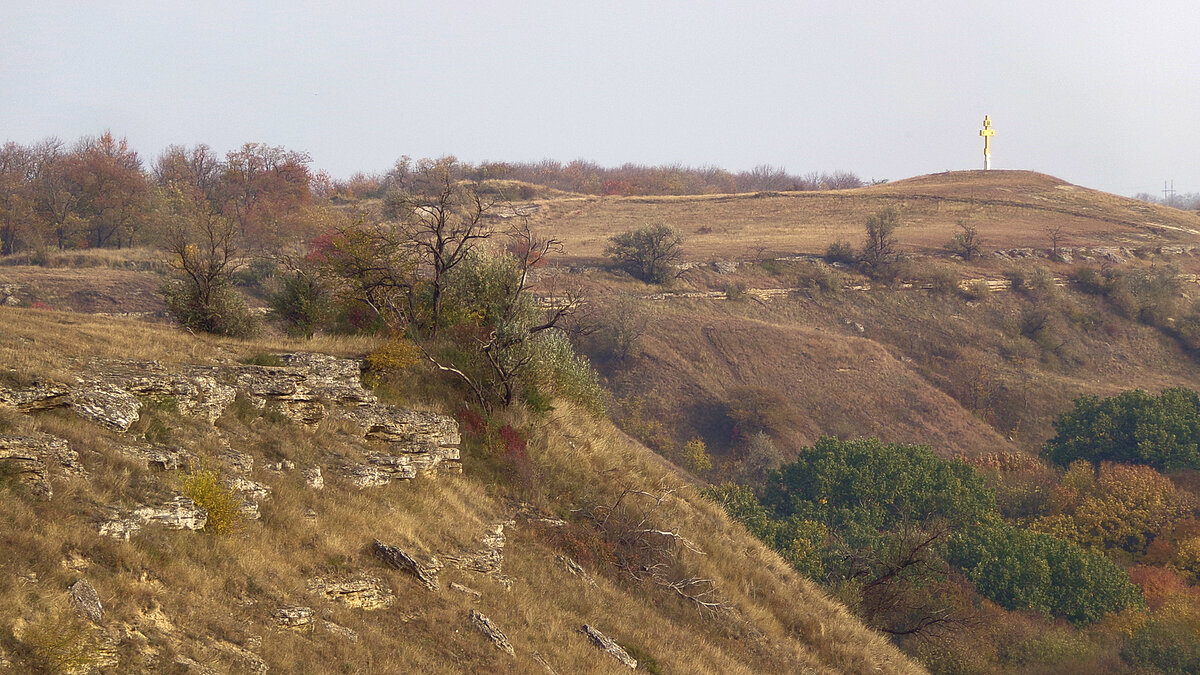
[[1012, 209]]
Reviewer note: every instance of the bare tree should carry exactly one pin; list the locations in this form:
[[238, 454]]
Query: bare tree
[[966, 242], [1056, 233], [443, 219]]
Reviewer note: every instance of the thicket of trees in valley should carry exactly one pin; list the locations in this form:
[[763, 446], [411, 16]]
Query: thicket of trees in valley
[[957, 559]]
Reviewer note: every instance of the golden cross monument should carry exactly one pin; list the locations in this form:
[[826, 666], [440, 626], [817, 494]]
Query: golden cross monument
[[987, 132]]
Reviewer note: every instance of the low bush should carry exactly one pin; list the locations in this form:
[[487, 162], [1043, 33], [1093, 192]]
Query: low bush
[[224, 508]]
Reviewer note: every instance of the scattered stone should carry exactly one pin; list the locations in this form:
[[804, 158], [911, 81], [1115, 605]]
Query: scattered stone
[[159, 456], [489, 629], [248, 488], [609, 646], [488, 559], [424, 568], [294, 617], [357, 591], [310, 513], [340, 631], [75, 562], [544, 663], [86, 601], [238, 462], [313, 478], [475, 595], [282, 466], [576, 569]]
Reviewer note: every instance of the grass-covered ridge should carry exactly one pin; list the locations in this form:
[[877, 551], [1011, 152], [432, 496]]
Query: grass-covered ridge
[[209, 597]]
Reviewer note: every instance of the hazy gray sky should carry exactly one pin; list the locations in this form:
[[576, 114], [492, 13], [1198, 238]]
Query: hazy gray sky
[[1103, 94]]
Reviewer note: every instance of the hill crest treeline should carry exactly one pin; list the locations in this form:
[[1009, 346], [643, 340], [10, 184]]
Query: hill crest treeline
[[98, 192]]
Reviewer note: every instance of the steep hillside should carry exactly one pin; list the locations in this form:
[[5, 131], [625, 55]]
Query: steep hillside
[[1012, 209], [339, 535]]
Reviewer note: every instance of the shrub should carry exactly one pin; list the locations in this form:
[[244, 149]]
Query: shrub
[[841, 251], [977, 290], [1019, 569], [818, 279], [1089, 280], [966, 242], [395, 356], [880, 246], [60, 642], [1170, 648], [222, 312], [735, 290], [695, 456], [303, 304], [224, 508], [648, 254]]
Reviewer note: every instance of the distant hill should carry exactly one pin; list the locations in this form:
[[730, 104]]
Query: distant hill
[[1011, 209]]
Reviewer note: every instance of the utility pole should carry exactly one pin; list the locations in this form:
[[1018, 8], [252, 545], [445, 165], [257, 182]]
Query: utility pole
[[1169, 193], [987, 132]]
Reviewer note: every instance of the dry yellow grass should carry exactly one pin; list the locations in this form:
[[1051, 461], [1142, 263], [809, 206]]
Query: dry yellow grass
[[1010, 208], [202, 597]]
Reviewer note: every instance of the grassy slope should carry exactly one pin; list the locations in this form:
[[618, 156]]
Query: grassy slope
[[1010, 208], [194, 594], [957, 374]]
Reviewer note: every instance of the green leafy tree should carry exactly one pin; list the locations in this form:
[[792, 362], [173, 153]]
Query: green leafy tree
[[1019, 569], [648, 254], [303, 303], [1133, 427], [889, 508]]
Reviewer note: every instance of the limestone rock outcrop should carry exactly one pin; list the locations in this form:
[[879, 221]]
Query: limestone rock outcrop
[[609, 646], [424, 568], [488, 559], [178, 513], [489, 629], [361, 591], [32, 458], [294, 617]]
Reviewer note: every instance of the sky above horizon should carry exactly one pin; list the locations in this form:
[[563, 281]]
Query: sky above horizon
[[1101, 94]]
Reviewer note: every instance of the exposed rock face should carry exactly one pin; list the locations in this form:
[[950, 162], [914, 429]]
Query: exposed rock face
[[418, 443], [489, 629], [108, 406], [609, 646], [488, 559], [31, 458], [424, 568], [178, 513], [313, 478], [294, 617], [85, 599], [38, 396], [358, 591], [305, 383]]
